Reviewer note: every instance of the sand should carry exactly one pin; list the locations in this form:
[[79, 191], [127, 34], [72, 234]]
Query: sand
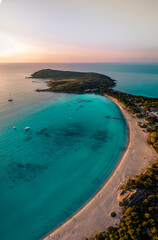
[[94, 216]]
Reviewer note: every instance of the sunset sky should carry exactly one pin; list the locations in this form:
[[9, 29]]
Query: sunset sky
[[78, 31]]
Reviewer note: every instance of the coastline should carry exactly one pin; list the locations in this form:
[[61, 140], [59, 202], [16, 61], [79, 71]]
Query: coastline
[[94, 216]]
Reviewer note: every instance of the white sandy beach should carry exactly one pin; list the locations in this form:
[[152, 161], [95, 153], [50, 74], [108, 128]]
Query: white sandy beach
[[94, 217]]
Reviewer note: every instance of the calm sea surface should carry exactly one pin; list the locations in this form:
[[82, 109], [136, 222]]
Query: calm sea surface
[[50, 171]]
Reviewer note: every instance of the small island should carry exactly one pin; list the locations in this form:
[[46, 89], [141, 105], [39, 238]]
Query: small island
[[74, 82]]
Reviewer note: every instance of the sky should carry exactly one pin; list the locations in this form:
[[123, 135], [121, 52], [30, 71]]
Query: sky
[[78, 31]]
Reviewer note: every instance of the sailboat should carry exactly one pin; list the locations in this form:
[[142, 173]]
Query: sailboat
[[10, 99]]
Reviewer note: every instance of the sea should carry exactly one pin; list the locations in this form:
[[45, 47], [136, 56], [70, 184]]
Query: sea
[[50, 171]]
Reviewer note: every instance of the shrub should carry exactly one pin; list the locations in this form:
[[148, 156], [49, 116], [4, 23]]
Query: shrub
[[113, 214], [99, 236], [139, 220]]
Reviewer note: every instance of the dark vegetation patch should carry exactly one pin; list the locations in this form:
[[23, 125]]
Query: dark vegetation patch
[[44, 132], [142, 107], [74, 82], [97, 139], [24, 172]]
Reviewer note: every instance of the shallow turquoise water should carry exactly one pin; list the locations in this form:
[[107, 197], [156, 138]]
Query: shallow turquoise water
[[49, 172]]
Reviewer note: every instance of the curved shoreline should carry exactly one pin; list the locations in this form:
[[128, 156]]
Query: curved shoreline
[[94, 216]]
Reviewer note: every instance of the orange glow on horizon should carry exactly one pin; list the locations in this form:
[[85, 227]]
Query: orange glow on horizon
[[83, 54], [79, 31]]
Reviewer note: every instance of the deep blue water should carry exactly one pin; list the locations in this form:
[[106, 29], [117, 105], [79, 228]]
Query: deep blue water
[[50, 171]]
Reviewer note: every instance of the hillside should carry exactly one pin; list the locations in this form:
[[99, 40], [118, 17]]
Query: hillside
[[74, 82]]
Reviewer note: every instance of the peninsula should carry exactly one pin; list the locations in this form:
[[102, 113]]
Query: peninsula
[[74, 82], [128, 201]]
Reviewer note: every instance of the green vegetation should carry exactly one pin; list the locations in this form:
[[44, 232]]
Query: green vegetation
[[142, 107], [153, 137], [139, 115], [133, 103], [139, 219], [151, 120], [74, 82]]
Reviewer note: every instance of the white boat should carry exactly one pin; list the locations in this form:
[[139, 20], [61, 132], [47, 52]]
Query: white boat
[[14, 127], [26, 128]]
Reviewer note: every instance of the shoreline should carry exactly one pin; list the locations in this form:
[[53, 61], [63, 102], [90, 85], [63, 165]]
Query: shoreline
[[94, 216]]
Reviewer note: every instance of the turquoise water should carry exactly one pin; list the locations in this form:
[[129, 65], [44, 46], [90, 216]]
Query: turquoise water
[[50, 171]]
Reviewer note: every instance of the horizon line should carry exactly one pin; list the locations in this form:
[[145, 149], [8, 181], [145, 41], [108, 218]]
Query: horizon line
[[79, 62]]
